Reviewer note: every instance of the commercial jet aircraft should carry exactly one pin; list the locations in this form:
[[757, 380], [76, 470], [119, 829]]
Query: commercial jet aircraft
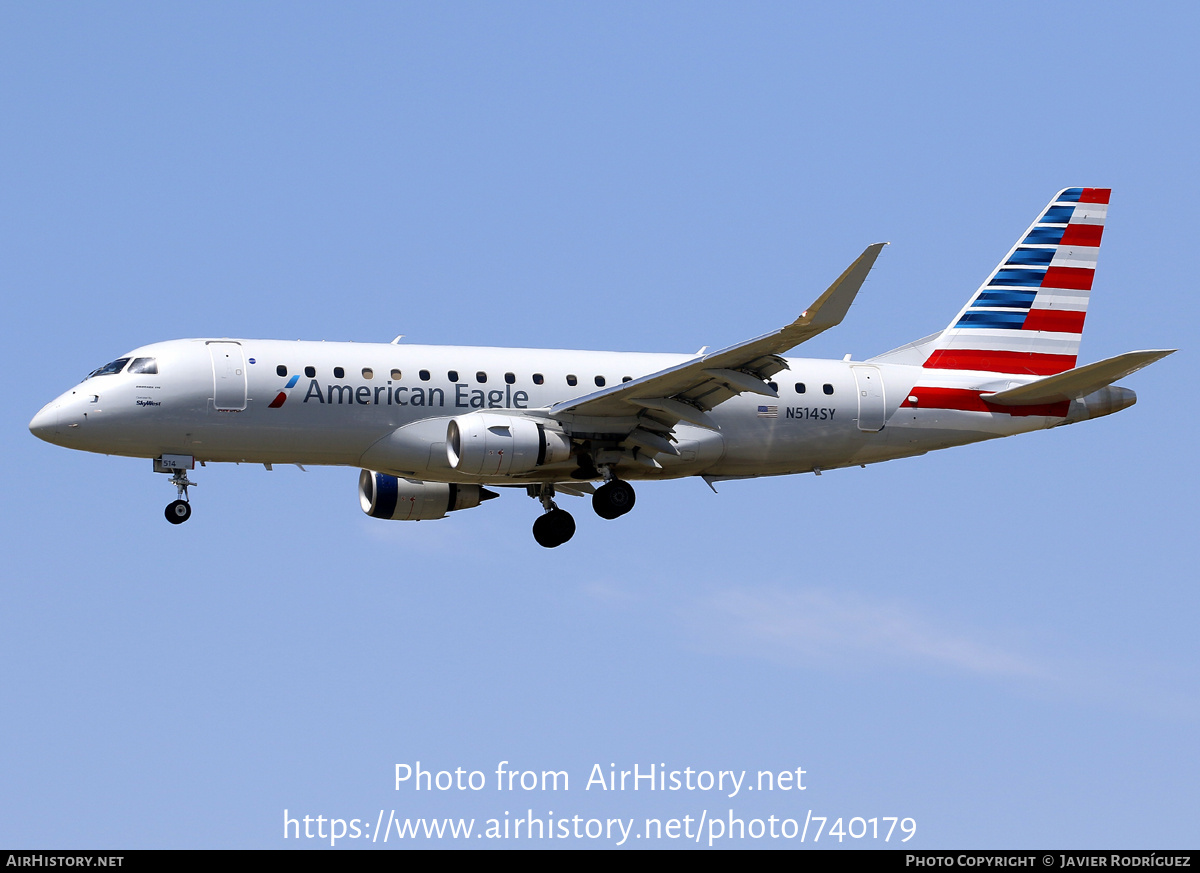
[[432, 426]]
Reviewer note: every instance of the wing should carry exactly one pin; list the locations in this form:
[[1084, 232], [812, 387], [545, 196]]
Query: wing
[[688, 391]]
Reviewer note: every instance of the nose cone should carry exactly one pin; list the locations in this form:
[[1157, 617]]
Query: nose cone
[[45, 424]]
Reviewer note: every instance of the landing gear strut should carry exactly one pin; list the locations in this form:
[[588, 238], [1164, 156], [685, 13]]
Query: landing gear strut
[[555, 526], [180, 510]]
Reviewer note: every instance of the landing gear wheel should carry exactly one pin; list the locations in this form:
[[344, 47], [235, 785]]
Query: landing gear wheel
[[613, 499], [554, 528], [178, 512]]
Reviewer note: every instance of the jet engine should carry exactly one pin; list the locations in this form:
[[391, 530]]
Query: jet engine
[[488, 444], [384, 496]]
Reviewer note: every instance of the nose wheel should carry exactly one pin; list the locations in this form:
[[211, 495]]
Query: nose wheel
[[179, 511]]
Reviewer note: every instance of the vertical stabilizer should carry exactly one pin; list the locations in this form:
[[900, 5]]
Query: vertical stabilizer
[[1027, 318]]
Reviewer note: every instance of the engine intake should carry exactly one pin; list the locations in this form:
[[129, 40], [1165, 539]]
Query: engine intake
[[384, 496], [487, 444]]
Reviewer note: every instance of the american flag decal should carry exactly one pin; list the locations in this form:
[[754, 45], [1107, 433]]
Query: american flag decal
[[768, 412]]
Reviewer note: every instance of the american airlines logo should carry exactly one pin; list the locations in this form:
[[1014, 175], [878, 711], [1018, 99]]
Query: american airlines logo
[[283, 395]]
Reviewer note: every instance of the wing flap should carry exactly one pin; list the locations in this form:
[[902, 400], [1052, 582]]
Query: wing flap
[[736, 379], [676, 408]]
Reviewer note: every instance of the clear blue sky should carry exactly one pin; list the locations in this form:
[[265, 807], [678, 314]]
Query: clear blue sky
[[998, 641]]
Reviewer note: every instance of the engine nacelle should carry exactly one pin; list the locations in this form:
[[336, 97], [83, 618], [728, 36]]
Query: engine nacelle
[[488, 444], [384, 496]]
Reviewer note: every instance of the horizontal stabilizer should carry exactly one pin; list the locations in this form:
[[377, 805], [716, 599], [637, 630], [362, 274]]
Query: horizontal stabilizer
[[1078, 382]]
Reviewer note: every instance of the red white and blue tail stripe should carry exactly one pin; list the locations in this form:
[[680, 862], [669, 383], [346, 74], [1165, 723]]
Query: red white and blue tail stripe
[[1027, 318]]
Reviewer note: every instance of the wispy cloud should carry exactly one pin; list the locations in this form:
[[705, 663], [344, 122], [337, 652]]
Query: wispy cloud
[[825, 626], [836, 630]]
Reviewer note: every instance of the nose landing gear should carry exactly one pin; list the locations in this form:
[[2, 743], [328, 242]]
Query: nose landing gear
[[179, 511]]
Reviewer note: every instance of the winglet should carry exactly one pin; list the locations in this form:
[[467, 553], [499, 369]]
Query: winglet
[[830, 308]]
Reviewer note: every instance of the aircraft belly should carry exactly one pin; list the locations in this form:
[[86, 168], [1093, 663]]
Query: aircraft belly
[[971, 425]]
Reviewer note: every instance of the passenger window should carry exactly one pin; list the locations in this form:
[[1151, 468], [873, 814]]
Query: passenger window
[[339, 373], [774, 386], [827, 388], [452, 375], [599, 381], [572, 381], [626, 378], [144, 365], [396, 375], [481, 377], [281, 370], [800, 388], [510, 378], [368, 373], [538, 378], [424, 374], [310, 371]]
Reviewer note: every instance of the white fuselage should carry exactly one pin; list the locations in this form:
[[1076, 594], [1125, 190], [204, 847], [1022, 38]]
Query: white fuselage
[[386, 407]]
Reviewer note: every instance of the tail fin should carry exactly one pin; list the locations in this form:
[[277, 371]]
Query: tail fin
[[1028, 316]]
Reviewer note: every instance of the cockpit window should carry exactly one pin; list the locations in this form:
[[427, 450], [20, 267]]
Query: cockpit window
[[144, 365], [109, 369]]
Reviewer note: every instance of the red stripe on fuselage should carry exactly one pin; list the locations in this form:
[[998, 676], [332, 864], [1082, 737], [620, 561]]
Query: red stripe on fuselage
[[1031, 363], [278, 401], [972, 401], [1059, 320]]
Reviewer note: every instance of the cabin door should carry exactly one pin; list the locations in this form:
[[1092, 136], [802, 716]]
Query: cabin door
[[229, 376], [872, 411]]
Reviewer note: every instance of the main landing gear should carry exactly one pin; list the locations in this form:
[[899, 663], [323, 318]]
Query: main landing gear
[[555, 526], [613, 499], [180, 510]]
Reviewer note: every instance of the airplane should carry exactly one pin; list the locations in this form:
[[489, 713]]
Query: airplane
[[431, 427]]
